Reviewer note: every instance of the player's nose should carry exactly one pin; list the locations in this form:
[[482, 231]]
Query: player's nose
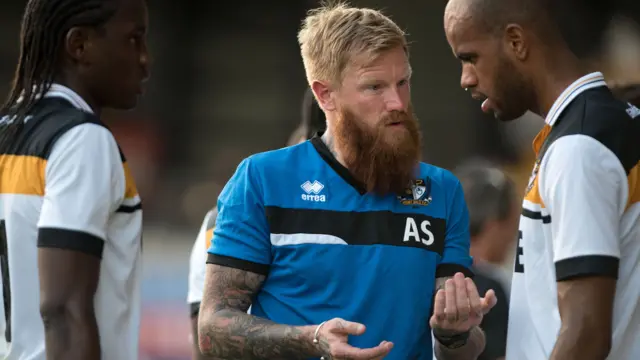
[[468, 78], [145, 60], [395, 102]]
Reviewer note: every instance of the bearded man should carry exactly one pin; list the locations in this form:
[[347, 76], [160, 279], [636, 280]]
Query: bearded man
[[345, 246]]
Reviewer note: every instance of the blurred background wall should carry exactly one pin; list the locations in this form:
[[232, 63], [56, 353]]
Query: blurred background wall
[[227, 83]]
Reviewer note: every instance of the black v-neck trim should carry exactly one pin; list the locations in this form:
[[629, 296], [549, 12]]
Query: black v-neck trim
[[342, 171]]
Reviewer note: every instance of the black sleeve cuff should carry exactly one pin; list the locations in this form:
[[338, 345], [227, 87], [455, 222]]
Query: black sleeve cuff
[[446, 270], [583, 266], [239, 264], [70, 240], [129, 209], [194, 309]]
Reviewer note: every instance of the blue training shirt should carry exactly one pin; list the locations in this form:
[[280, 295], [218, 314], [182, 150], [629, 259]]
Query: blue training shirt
[[329, 249]]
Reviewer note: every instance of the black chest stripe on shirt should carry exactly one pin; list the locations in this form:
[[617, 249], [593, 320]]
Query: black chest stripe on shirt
[[362, 228], [536, 215]]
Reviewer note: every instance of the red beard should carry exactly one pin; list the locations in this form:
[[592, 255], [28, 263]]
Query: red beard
[[384, 160]]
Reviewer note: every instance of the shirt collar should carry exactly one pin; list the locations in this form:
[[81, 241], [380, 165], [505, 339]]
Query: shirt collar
[[589, 81], [61, 91]]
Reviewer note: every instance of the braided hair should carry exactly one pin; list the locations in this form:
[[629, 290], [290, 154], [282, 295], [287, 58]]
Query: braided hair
[[44, 27]]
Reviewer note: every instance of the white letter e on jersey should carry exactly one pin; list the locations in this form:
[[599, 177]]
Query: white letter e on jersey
[[411, 231]]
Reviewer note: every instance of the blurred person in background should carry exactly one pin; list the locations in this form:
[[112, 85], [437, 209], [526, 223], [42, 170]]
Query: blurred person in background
[[71, 219], [578, 240], [319, 238], [629, 93], [584, 23], [313, 122], [494, 212]]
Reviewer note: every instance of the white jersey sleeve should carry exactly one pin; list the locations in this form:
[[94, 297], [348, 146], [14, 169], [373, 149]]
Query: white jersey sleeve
[[84, 185], [584, 187], [198, 259]]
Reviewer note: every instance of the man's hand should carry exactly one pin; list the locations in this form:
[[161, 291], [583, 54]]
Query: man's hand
[[458, 307], [226, 331], [333, 336]]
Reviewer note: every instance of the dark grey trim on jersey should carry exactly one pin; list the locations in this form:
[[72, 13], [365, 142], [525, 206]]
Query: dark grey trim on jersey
[[50, 119], [589, 265], [355, 227], [239, 264], [449, 270], [194, 309], [70, 240], [597, 113]]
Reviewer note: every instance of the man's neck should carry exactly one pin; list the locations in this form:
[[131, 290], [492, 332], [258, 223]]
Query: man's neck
[[75, 85], [328, 139], [553, 80]]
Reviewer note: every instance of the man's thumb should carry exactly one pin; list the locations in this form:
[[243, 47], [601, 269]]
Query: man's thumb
[[352, 328]]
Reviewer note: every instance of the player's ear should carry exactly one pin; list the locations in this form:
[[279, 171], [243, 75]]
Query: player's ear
[[77, 43], [322, 91], [516, 41]]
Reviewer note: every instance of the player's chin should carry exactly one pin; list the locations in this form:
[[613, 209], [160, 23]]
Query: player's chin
[[126, 101], [506, 115], [396, 134]]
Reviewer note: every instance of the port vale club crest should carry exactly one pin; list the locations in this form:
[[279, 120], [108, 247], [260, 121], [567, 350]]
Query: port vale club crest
[[419, 193], [532, 178]]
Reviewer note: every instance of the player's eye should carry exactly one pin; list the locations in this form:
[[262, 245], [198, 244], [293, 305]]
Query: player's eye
[[468, 58], [374, 87], [403, 82], [135, 39]]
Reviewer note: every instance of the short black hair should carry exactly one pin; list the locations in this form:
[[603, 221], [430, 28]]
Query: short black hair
[[581, 24], [45, 24], [489, 193], [313, 118], [494, 15]]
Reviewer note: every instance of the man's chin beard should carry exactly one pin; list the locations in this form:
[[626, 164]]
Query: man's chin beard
[[380, 164]]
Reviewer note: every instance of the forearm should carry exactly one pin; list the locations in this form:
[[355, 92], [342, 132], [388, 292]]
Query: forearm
[[70, 335], [581, 345], [195, 352], [233, 334], [469, 351]]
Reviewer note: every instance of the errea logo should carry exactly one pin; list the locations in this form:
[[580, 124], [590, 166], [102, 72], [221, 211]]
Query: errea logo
[[312, 191], [633, 111]]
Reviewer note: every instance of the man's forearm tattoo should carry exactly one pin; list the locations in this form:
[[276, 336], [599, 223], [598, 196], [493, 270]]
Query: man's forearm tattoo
[[228, 332]]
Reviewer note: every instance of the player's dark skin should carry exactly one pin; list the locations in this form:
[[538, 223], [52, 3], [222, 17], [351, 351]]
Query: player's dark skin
[[539, 67], [106, 67], [629, 93]]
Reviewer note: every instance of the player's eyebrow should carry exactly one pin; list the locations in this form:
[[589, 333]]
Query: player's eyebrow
[[137, 28], [466, 56]]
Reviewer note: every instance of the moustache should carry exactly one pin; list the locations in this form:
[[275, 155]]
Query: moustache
[[396, 118]]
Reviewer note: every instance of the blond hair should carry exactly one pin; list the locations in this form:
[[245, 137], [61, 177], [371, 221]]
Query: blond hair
[[334, 33]]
